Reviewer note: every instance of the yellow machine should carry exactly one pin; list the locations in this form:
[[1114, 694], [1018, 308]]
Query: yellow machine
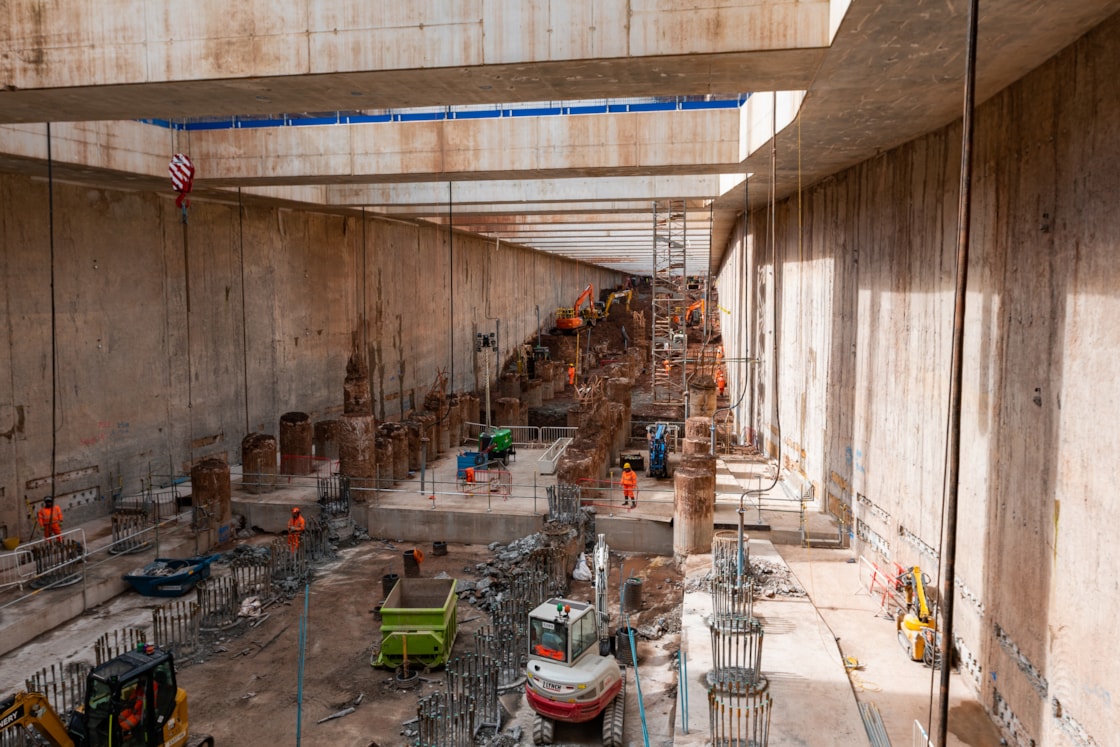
[[917, 624], [130, 700], [623, 295], [569, 318]]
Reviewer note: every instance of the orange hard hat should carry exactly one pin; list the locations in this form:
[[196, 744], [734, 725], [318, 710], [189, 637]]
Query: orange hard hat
[[295, 510]]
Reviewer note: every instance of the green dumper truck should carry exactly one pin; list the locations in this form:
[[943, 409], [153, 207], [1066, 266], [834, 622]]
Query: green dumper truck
[[419, 621]]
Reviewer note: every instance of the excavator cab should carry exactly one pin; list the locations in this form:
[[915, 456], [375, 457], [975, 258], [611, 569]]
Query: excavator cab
[[132, 700]]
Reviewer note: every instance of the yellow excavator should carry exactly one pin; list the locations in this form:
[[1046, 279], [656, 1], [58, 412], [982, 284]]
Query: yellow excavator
[[132, 699], [622, 295], [917, 624]]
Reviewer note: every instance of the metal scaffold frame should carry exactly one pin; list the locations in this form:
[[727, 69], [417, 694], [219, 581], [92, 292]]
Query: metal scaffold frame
[[670, 348]]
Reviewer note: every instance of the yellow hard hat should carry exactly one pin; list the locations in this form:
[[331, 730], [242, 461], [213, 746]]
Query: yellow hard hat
[[626, 466]]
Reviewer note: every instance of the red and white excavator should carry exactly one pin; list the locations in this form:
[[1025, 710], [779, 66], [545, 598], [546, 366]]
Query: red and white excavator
[[571, 675], [568, 318]]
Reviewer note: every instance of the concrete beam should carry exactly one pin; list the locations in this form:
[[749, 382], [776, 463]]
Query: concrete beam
[[678, 142], [129, 59]]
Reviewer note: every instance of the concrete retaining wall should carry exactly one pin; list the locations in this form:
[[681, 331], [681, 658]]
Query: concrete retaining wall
[[861, 373]]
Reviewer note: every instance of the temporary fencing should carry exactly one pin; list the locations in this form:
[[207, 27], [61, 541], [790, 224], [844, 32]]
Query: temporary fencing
[[493, 481]]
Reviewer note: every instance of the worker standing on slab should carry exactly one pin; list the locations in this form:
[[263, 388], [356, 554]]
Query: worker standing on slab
[[50, 518], [296, 525], [571, 374], [629, 486], [721, 382]]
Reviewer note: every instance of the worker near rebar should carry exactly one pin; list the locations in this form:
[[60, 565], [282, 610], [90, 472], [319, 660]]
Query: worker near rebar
[[721, 382], [571, 374], [629, 483], [50, 518], [296, 525]]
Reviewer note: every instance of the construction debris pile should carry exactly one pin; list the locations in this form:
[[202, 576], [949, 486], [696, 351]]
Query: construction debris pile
[[769, 580]]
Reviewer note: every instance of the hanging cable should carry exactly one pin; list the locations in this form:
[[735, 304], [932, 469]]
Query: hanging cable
[[948, 550], [244, 316], [54, 333]]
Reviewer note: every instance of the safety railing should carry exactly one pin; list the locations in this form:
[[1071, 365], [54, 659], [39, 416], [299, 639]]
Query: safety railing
[[546, 465], [16, 568], [525, 435], [881, 584], [492, 481], [58, 561], [921, 738]]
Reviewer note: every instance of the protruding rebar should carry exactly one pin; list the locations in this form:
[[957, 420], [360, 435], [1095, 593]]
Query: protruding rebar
[[63, 685], [218, 603], [176, 627], [736, 652], [563, 503], [114, 643], [739, 715]]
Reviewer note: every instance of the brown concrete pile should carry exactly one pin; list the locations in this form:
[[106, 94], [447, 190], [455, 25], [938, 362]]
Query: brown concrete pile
[[545, 376], [592, 451], [210, 489], [620, 390], [697, 436], [356, 457], [414, 429], [509, 385], [383, 453], [295, 443], [507, 411], [429, 431], [325, 439], [356, 397], [258, 463], [398, 435], [454, 423], [436, 404], [473, 404], [533, 396], [577, 416], [694, 501], [702, 396]]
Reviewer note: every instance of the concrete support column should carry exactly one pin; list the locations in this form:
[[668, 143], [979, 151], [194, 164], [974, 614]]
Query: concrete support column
[[533, 395], [620, 390], [454, 421], [509, 385], [295, 443], [398, 435], [356, 397], [507, 411], [694, 502], [414, 429], [697, 436], [702, 397], [210, 491], [258, 463], [324, 439], [356, 451], [383, 451]]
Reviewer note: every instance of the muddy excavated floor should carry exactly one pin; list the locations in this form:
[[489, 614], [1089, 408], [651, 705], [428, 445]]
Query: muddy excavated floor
[[246, 690]]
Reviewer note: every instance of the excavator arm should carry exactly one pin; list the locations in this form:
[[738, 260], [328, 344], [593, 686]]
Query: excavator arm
[[584, 297], [33, 712], [688, 314]]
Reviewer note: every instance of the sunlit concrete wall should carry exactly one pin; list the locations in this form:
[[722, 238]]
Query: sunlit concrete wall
[[172, 341], [852, 384]]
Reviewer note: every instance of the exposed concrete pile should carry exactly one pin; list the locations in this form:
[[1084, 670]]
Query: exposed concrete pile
[[702, 396], [356, 397], [325, 439], [258, 463], [397, 435], [694, 499], [413, 430], [295, 443], [507, 411], [383, 450], [356, 458], [210, 487]]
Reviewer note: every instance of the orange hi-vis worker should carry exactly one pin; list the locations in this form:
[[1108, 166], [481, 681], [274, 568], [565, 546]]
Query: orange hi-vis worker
[[296, 525], [571, 374], [50, 518], [629, 486], [721, 382], [133, 713]]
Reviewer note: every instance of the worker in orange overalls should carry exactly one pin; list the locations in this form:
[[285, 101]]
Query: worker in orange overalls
[[296, 525], [571, 374], [50, 518], [629, 486], [721, 383]]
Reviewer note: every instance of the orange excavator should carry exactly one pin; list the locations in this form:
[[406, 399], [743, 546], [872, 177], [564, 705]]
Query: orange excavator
[[568, 318], [689, 320]]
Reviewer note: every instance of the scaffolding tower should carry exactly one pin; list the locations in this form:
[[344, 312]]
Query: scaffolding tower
[[670, 299]]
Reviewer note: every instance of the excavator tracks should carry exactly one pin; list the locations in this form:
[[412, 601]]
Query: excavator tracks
[[614, 716], [542, 729], [200, 740]]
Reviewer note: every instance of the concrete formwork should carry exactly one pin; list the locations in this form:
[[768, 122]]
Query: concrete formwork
[[859, 373]]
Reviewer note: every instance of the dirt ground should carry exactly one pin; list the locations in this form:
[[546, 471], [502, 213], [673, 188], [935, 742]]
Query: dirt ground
[[247, 690]]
